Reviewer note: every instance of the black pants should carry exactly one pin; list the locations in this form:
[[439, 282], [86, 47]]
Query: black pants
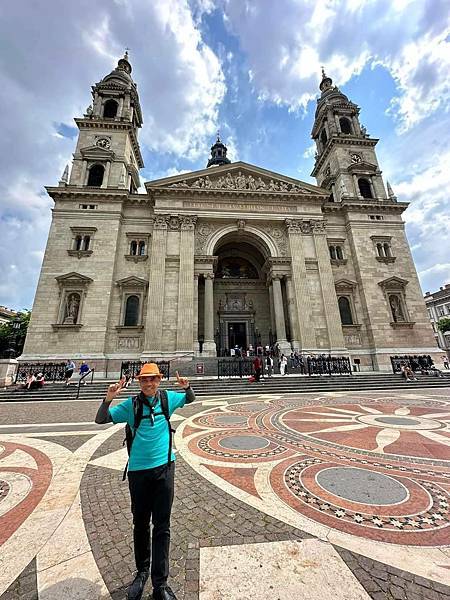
[[151, 492]]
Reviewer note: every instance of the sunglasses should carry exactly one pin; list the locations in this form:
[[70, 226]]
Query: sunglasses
[[148, 378]]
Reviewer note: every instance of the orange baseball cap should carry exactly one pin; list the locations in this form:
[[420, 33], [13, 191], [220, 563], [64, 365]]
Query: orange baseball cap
[[149, 369]]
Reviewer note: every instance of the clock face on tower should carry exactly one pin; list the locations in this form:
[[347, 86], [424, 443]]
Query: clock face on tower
[[103, 143], [356, 158]]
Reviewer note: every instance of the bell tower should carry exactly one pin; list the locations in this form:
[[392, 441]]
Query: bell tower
[[346, 162], [107, 153]]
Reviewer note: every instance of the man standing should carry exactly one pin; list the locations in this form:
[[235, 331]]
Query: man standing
[[151, 473]]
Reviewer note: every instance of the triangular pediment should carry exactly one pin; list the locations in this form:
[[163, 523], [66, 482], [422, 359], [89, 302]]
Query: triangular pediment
[[73, 277], [342, 284], [96, 153], [238, 177], [134, 282], [393, 283], [362, 167]]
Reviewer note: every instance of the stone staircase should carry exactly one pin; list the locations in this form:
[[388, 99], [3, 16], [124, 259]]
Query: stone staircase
[[221, 387]]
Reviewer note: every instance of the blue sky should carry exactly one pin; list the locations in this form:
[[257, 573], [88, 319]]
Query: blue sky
[[250, 68]]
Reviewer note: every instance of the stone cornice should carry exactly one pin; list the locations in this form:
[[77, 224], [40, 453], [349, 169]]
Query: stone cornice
[[211, 194], [70, 192], [357, 205]]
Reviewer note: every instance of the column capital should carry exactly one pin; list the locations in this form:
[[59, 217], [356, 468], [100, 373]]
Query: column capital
[[208, 275], [160, 221], [318, 226], [297, 226], [188, 222]]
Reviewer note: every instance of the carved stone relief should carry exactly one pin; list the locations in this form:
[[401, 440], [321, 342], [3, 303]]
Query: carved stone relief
[[241, 182]]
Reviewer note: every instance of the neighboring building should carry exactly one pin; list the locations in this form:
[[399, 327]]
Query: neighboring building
[[229, 255], [6, 315], [438, 306]]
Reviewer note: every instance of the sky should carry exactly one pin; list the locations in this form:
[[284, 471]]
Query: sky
[[249, 68]]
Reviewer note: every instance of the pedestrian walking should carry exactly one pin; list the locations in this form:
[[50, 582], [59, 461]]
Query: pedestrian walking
[[269, 365], [84, 370], [257, 368], [283, 364], [151, 471], [445, 362], [69, 368]]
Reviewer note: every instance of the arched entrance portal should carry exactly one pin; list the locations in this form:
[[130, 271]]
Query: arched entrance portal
[[240, 295]]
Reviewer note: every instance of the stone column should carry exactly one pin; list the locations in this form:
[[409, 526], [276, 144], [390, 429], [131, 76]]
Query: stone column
[[338, 125], [356, 128], [83, 180], [106, 175], [301, 294], [273, 325], [330, 303], [292, 314], [372, 188], [185, 322], [195, 328], [209, 345], [355, 183], [279, 314], [155, 304]]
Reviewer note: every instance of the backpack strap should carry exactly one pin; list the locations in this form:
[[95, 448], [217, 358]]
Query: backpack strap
[[164, 399], [138, 409]]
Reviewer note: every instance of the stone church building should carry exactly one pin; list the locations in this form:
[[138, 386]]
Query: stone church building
[[229, 255]]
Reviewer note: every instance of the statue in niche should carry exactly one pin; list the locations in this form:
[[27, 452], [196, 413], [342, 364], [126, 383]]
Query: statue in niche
[[71, 309], [396, 309]]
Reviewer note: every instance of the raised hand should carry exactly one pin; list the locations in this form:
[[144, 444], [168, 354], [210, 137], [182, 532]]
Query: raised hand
[[114, 389], [182, 381]]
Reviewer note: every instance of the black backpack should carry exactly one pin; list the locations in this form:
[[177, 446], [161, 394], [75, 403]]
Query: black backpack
[[138, 409]]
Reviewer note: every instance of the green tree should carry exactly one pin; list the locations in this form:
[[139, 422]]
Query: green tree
[[10, 337], [444, 324]]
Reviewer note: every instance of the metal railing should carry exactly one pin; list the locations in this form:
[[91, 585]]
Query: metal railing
[[328, 365], [234, 367], [134, 366], [52, 371], [415, 363], [83, 377]]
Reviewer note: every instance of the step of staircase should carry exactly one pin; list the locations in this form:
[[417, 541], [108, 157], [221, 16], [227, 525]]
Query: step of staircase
[[220, 387]]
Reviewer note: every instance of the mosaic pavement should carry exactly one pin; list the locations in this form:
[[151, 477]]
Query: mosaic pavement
[[341, 495]]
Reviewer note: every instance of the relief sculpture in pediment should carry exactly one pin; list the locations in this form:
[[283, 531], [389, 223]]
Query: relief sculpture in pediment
[[241, 181]]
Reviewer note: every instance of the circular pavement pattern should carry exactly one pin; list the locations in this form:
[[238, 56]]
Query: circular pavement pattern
[[361, 485], [377, 469], [244, 442]]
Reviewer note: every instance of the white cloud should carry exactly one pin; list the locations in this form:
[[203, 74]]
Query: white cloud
[[50, 59], [287, 42], [310, 151]]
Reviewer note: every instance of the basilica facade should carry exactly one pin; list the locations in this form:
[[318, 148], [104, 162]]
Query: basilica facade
[[230, 255]]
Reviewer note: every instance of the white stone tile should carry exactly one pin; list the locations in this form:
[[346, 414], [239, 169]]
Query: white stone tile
[[289, 570]]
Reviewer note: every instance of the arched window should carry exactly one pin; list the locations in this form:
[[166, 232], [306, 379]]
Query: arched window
[[345, 311], [323, 136], [78, 242], [110, 109], [345, 125], [332, 252], [364, 188], [133, 248], [131, 311], [339, 253], [96, 173], [86, 242], [141, 249], [387, 250], [380, 251]]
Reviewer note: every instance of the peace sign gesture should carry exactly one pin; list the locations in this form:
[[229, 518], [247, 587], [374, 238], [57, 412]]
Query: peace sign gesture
[[114, 389], [182, 381]]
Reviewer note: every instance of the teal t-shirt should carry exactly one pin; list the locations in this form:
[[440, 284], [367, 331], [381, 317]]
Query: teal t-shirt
[[151, 444]]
